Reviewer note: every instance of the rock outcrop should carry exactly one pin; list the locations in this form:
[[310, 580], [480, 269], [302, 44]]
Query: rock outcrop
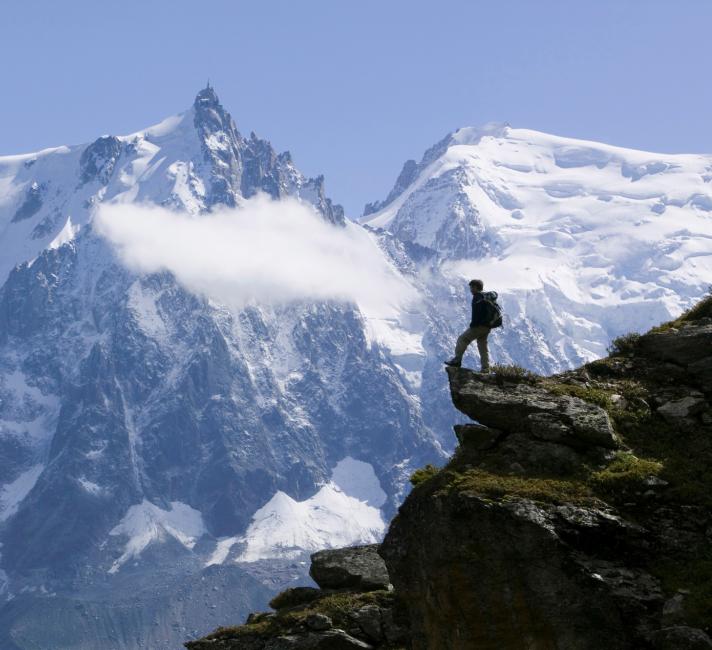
[[354, 608], [358, 568], [574, 515]]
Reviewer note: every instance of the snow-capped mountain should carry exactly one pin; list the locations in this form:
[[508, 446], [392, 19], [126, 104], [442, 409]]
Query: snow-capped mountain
[[583, 241], [142, 425], [192, 162], [163, 452]]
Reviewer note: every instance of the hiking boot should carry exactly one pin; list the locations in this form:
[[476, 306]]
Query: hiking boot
[[453, 363]]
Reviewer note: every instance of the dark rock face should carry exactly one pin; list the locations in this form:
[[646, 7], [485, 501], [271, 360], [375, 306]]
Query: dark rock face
[[241, 167], [499, 575], [358, 567], [99, 159], [685, 346], [681, 637], [571, 515], [522, 408], [31, 204]]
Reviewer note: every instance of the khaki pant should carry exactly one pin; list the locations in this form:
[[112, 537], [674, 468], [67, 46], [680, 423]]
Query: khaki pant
[[478, 334]]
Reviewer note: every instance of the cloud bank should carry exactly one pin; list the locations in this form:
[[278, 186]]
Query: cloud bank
[[265, 251]]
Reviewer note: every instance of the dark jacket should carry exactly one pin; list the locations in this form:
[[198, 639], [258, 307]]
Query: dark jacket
[[479, 311]]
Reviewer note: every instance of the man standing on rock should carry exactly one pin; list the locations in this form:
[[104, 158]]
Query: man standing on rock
[[486, 314]]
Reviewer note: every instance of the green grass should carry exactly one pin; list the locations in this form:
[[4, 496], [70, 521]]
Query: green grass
[[423, 474], [626, 472], [596, 396], [548, 490], [514, 373], [293, 597], [336, 606], [625, 344], [701, 309]]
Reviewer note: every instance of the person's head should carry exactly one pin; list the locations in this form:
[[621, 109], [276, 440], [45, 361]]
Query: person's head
[[476, 286]]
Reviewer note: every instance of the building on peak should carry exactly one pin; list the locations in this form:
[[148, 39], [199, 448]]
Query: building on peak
[[207, 97]]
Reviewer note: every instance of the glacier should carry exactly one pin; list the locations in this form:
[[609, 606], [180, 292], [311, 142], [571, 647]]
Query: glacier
[[345, 511]]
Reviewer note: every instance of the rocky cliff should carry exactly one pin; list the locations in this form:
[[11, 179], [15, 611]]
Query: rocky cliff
[[574, 514]]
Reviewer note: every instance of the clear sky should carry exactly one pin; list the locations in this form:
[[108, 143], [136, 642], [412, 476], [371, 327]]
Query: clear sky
[[354, 88]]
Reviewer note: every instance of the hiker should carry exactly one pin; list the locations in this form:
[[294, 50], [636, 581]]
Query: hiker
[[486, 314]]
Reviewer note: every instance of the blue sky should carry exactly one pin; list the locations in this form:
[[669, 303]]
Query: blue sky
[[355, 88]]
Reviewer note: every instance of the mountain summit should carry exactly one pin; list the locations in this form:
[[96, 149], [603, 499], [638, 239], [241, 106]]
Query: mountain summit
[[151, 439]]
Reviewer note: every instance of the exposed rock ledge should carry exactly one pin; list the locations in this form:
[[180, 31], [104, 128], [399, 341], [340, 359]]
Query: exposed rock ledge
[[574, 515], [355, 608]]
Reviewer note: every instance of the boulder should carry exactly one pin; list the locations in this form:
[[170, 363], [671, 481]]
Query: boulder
[[681, 346], [327, 640], [358, 567], [294, 596], [682, 408], [681, 637], [531, 409], [478, 573], [476, 436], [318, 622], [369, 620]]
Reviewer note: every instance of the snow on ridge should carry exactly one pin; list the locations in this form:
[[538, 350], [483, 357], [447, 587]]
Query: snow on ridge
[[90, 486], [519, 163], [343, 512], [145, 523], [12, 494], [604, 224], [67, 234], [357, 479], [142, 303], [162, 129], [473, 134]]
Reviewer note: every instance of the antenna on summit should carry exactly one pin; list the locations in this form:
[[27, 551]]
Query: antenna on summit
[[208, 85]]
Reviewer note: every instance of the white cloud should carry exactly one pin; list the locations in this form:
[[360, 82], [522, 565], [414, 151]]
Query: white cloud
[[265, 251]]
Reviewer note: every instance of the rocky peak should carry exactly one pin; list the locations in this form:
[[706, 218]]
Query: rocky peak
[[32, 202], [98, 160], [242, 167], [221, 143], [209, 112], [409, 173]]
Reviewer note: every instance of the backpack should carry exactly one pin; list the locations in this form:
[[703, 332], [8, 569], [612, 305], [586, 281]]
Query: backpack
[[494, 311]]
